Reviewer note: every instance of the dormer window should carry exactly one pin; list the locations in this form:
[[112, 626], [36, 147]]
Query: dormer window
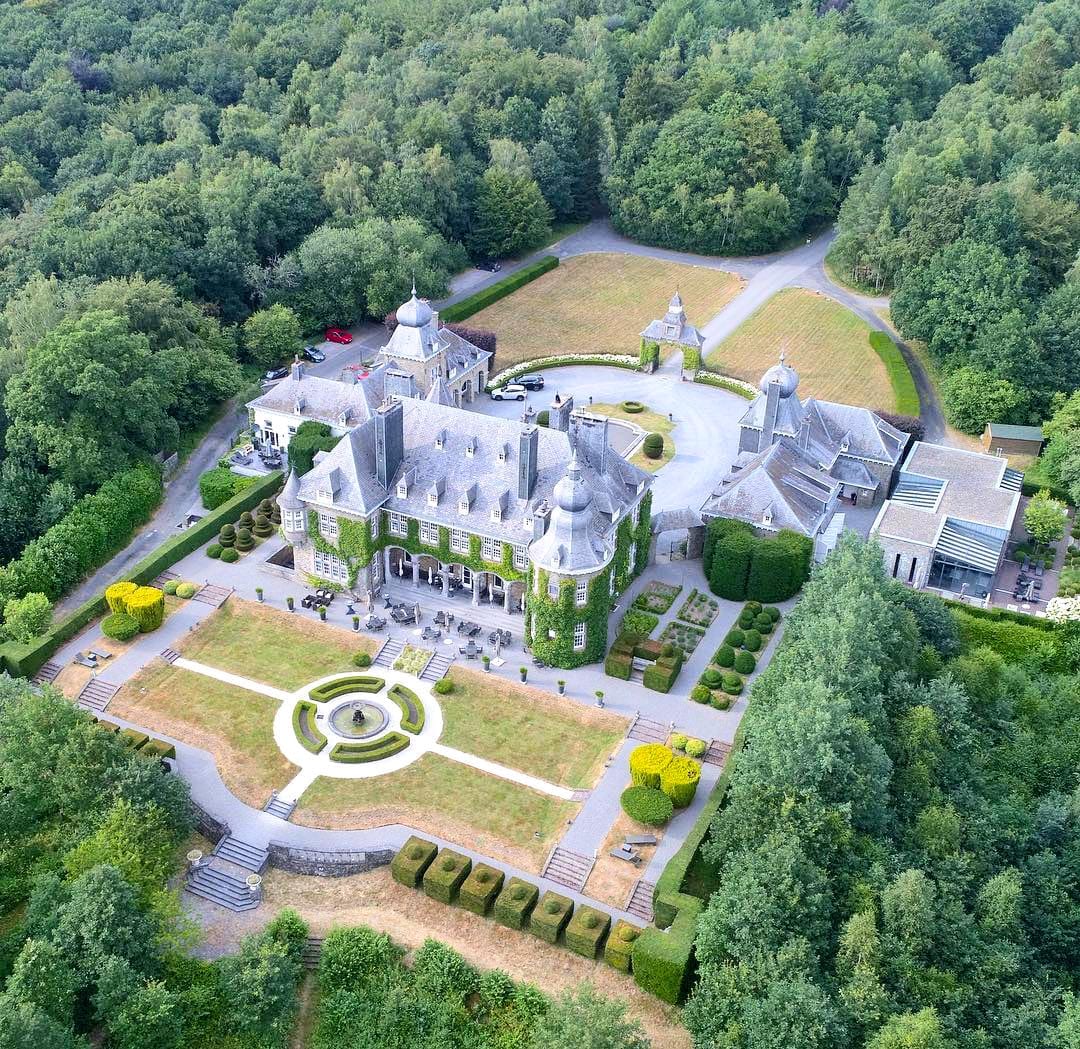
[[325, 495], [433, 498], [470, 447], [504, 452], [435, 492], [466, 500], [463, 505], [298, 406], [402, 488], [440, 440]]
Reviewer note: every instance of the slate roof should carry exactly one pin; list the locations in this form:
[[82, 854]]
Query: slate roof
[[781, 481], [418, 338], [673, 327], [324, 400]]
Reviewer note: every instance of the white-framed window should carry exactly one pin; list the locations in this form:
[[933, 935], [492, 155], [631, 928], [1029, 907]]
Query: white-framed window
[[328, 525], [491, 549], [459, 540], [496, 513], [292, 431], [329, 566], [294, 520], [553, 587], [581, 592], [429, 533], [433, 498], [402, 488], [579, 636], [632, 559], [521, 557], [375, 524], [399, 524], [463, 505]]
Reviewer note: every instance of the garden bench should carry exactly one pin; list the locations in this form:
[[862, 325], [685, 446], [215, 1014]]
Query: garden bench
[[86, 661], [624, 852], [639, 839], [95, 654]]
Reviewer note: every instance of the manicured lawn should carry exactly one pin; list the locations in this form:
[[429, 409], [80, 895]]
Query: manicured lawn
[[650, 422], [273, 646], [441, 796], [235, 725], [527, 729], [599, 304], [826, 344]]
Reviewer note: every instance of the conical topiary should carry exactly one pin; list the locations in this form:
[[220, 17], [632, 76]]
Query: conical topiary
[[263, 527], [244, 540]]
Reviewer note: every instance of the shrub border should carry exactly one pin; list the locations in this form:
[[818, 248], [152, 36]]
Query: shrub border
[[329, 690], [474, 303], [318, 743], [904, 391], [369, 750]]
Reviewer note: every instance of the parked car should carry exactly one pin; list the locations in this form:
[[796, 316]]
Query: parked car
[[313, 353], [511, 392], [276, 373], [489, 265], [338, 335], [531, 382]]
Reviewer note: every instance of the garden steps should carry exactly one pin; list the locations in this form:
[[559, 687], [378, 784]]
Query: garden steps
[[251, 857], [437, 666], [164, 578], [312, 952], [213, 595], [717, 754], [222, 888], [170, 655], [388, 653], [276, 807], [568, 868], [47, 673], [639, 902], [647, 731], [96, 693]]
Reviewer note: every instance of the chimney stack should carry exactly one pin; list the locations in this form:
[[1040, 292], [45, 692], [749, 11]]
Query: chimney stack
[[528, 447], [297, 369], [389, 441], [559, 413]]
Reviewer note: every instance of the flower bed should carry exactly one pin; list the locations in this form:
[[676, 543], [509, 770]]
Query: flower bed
[[412, 660], [736, 660], [682, 635], [699, 609], [612, 360], [639, 622], [657, 597]]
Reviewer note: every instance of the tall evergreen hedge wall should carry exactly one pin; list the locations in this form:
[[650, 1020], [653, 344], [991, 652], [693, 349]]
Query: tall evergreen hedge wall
[[741, 565]]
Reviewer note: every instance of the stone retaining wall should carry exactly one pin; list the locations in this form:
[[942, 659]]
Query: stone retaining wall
[[326, 864]]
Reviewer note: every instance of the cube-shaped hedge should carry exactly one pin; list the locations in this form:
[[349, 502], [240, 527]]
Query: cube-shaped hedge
[[108, 726], [443, 878], [158, 748], [515, 903], [550, 916], [586, 931], [412, 859], [619, 948], [479, 889], [134, 738], [619, 664]]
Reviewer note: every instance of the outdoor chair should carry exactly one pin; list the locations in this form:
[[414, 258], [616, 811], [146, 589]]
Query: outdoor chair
[[84, 660], [624, 852], [639, 839], [308, 601], [95, 654]]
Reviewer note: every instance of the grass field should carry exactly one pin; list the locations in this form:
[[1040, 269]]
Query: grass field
[[599, 304], [279, 648], [825, 343], [527, 729], [650, 422], [233, 724], [439, 796]]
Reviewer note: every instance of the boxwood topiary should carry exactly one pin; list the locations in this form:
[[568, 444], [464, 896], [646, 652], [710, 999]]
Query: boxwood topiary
[[246, 520], [586, 931], [735, 638], [170, 587], [550, 916], [479, 889], [632, 407], [443, 878], [732, 684], [752, 606], [647, 762], [763, 624], [752, 641], [772, 612], [229, 555], [120, 626], [361, 659], [146, 605], [412, 860], [745, 663], [244, 540], [700, 694], [443, 687], [227, 535], [262, 526], [678, 741], [695, 748], [214, 550], [746, 619], [679, 781], [116, 595], [725, 656], [711, 677], [186, 590], [721, 702], [620, 945], [647, 805], [653, 446], [515, 903]]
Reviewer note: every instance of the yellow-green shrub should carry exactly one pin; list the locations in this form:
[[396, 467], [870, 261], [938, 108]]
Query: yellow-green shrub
[[647, 762], [117, 594], [679, 781], [146, 605]]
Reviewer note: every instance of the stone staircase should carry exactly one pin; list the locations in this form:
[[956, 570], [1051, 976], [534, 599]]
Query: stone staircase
[[170, 655], [164, 578], [276, 807], [389, 652], [253, 858], [436, 668], [717, 754], [639, 902], [213, 595], [96, 693], [568, 868], [219, 885], [47, 673], [647, 731], [312, 952]]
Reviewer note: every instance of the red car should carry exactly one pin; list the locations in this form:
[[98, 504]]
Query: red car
[[338, 335]]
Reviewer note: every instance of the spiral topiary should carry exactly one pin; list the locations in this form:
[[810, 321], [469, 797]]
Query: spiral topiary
[[244, 540], [227, 535], [647, 805], [246, 520], [647, 762], [263, 527]]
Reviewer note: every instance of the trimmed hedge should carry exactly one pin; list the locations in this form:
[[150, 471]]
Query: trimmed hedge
[[412, 859], [443, 878], [585, 932], [662, 961], [158, 748], [120, 626], [303, 722], [479, 890], [550, 916], [662, 674], [648, 805], [219, 485], [639, 622], [134, 738], [679, 781], [903, 385], [499, 290], [412, 710], [116, 594], [146, 605], [619, 948], [369, 750], [732, 550], [329, 690], [515, 903], [739, 563], [647, 762]]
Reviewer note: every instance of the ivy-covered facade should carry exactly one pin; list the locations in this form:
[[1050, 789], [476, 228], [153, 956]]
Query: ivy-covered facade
[[547, 524]]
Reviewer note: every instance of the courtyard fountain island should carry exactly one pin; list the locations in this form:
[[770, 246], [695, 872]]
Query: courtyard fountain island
[[358, 719]]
